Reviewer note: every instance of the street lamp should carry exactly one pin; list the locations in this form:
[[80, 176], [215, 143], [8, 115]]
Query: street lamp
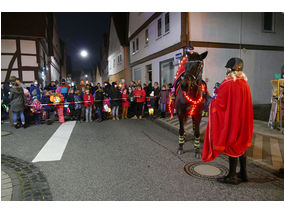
[[84, 53], [86, 76]]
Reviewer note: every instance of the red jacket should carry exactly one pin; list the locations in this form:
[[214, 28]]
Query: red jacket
[[88, 98], [230, 125], [125, 102], [139, 93]]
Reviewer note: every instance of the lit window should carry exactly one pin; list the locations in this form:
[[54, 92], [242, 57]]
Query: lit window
[[268, 22], [167, 22], [159, 27], [146, 36]]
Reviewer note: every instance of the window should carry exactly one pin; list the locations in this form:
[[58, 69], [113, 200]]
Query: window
[[159, 27], [146, 36], [119, 59], [137, 44], [268, 22], [133, 46], [167, 22]]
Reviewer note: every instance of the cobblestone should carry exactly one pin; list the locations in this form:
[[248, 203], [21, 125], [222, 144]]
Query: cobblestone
[[33, 184]]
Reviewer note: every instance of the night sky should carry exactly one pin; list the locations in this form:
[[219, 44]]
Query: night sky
[[82, 31]]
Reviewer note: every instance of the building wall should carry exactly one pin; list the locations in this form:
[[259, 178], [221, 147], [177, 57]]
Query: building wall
[[155, 43], [240, 28], [136, 20], [98, 77], [155, 67], [115, 49], [245, 28], [259, 66], [26, 63], [117, 77]]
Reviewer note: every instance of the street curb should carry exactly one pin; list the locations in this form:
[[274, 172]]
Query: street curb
[[28, 181]]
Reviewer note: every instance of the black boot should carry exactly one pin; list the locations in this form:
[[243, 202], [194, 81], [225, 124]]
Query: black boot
[[17, 126], [231, 178], [242, 175]]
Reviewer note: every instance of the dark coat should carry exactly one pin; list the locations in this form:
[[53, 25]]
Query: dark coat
[[17, 99], [99, 98], [46, 100], [115, 94], [71, 98]]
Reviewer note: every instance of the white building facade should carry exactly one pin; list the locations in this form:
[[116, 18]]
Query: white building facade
[[157, 39], [154, 41], [118, 65]]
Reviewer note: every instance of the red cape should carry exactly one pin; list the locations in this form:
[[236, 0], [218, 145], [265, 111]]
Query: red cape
[[230, 125]]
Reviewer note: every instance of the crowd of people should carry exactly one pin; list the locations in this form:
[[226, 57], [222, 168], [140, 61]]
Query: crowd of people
[[83, 103]]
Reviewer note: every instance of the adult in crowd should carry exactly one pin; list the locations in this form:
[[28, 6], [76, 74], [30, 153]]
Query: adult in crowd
[[140, 95], [115, 100], [99, 102], [64, 88], [230, 125], [157, 95], [17, 104], [51, 86]]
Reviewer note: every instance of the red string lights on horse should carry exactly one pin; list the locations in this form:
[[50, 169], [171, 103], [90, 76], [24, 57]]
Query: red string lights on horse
[[189, 95]]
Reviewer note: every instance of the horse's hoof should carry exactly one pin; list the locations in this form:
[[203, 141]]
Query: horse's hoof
[[197, 154], [180, 151]]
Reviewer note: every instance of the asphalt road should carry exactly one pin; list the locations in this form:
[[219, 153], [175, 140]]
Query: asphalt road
[[128, 160]]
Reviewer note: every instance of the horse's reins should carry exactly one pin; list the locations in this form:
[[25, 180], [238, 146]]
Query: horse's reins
[[194, 103]]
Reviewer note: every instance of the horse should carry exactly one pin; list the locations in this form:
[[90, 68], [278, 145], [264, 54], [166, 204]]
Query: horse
[[191, 94]]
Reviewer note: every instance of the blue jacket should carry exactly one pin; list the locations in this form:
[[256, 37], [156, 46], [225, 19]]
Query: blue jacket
[[46, 100], [32, 88]]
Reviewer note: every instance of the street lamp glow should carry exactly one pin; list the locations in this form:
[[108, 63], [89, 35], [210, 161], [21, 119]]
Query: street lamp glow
[[86, 76], [84, 53]]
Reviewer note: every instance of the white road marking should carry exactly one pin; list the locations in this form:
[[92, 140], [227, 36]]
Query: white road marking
[[55, 146]]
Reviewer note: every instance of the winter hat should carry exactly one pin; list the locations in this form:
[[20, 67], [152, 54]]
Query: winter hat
[[58, 90]]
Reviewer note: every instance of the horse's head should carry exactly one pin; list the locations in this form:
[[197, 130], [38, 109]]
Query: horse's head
[[193, 70]]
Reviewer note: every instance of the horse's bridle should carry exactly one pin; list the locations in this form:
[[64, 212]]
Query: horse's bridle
[[200, 67]]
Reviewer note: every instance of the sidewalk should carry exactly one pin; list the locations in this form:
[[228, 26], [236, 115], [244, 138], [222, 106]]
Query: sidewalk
[[268, 144]]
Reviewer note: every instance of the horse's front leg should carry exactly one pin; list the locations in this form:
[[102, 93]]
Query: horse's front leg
[[181, 140], [196, 124]]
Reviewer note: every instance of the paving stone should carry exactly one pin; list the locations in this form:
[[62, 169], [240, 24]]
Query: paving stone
[[6, 192], [8, 180], [6, 198], [6, 185]]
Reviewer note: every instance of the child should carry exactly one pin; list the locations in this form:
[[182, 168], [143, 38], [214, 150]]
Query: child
[[164, 95], [150, 105], [125, 103], [46, 108], [36, 109], [88, 103], [71, 100], [58, 99], [78, 105]]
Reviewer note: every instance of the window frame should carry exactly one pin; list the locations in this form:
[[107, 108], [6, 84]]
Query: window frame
[[159, 22], [147, 36], [168, 22], [273, 23], [137, 43]]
